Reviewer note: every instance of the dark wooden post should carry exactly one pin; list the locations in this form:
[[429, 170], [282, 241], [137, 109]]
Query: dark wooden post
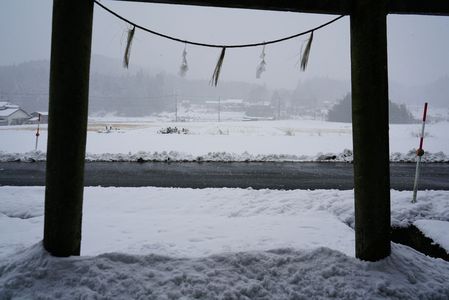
[[370, 128], [69, 89]]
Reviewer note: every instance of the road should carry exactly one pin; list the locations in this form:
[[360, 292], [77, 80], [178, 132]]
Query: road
[[272, 175]]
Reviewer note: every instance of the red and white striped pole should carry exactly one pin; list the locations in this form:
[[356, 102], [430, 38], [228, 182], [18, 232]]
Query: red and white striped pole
[[419, 154], [37, 131]]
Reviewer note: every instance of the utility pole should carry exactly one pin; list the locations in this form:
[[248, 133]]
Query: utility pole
[[176, 107], [219, 108], [279, 108]]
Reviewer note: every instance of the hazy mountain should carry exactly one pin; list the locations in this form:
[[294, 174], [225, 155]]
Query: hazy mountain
[[25, 84], [436, 93], [316, 91], [125, 92], [139, 91]]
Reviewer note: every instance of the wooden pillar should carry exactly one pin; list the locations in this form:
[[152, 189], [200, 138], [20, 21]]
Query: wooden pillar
[[69, 89], [370, 128]]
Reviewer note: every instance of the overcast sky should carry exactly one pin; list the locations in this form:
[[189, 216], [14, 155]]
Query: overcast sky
[[418, 45]]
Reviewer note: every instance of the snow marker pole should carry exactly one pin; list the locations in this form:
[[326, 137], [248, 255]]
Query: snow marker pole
[[419, 153], [37, 131]]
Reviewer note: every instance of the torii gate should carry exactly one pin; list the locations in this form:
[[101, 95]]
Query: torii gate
[[69, 90]]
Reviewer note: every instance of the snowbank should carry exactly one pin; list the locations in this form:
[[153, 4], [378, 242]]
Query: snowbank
[[436, 230], [321, 273], [141, 156]]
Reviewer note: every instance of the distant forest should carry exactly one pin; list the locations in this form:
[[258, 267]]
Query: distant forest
[[142, 92], [123, 92], [341, 112]]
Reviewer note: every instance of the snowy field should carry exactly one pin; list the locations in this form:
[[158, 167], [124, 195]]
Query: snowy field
[[171, 243], [286, 140]]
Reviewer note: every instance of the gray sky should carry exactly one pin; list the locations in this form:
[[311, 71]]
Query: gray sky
[[418, 45]]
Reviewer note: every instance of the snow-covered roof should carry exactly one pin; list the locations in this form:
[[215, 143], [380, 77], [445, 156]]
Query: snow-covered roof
[[11, 110], [233, 101], [227, 101], [3, 103], [42, 113], [7, 112]]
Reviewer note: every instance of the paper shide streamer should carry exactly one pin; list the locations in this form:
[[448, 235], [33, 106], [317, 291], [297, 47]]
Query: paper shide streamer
[[215, 76], [129, 42], [184, 66], [217, 70], [261, 67]]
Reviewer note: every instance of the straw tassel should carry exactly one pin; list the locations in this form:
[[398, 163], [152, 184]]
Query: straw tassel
[[261, 67], [216, 74], [128, 46], [184, 66], [305, 55]]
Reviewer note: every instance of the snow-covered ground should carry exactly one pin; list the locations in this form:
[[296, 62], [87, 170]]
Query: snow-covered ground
[[436, 230], [171, 243], [287, 140]]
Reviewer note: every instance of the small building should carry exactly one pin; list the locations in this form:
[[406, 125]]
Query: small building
[[233, 104], [11, 114], [259, 112], [226, 105], [38, 117]]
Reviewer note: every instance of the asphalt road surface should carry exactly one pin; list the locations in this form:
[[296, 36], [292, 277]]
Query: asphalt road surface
[[272, 175]]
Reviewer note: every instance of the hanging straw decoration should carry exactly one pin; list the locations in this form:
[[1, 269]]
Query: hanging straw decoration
[[261, 67], [129, 42], [305, 55], [214, 80], [216, 74], [184, 66]]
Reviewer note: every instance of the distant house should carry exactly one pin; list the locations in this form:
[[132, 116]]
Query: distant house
[[11, 114], [226, 105], [233, 104], [38, 117], [259, 112], [211, 103]]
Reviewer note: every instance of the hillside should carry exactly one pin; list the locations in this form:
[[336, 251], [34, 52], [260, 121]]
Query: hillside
[[141, 92]]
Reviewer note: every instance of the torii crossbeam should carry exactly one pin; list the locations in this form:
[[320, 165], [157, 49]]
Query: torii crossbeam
[[69, 90]]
